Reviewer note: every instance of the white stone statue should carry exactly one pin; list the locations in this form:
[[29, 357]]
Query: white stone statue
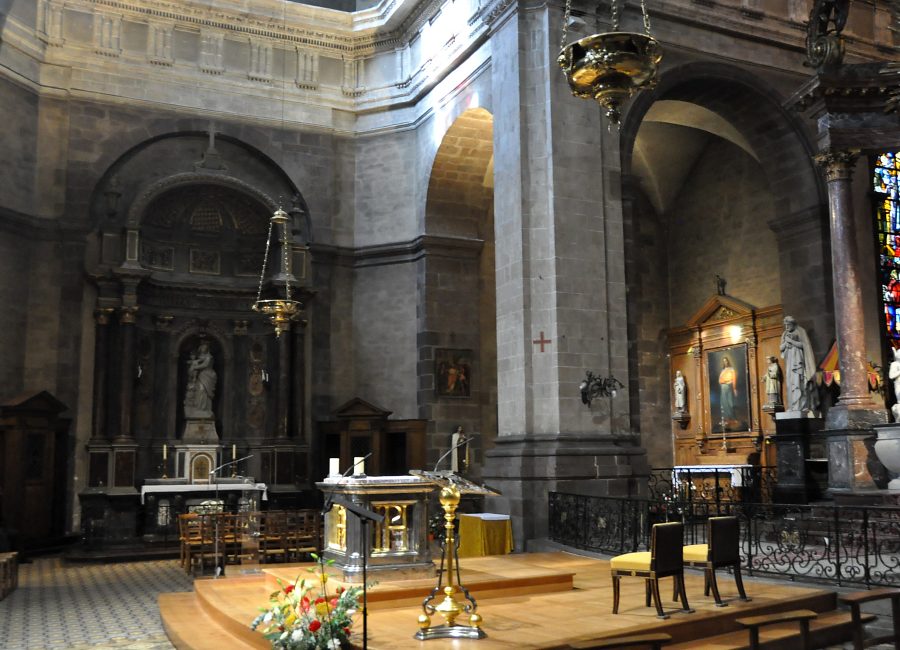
[[894, 374], [201, 384], [680, 389], [773, 382], [799, 367]]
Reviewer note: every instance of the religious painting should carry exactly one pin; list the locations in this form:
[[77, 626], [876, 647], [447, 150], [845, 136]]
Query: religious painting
[[729, 394], [453, 372]]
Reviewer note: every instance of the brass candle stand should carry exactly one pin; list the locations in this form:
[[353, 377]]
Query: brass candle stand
[[450, 608]]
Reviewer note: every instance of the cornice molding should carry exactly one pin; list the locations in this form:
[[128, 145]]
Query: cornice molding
[[397, 252]]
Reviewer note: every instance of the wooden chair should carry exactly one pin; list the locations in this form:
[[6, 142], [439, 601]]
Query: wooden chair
[[723, 550], [662, 560], [189, 536], [273, 534], [801, 616], [654, 641], [855, 600], [304, 531]]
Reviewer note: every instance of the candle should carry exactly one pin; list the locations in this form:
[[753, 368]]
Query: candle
[[359, 465], [334, 467], [233, 452], [165, 451]]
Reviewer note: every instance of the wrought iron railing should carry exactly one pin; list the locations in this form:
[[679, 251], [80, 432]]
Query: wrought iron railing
[[714, 485], [841, 544]]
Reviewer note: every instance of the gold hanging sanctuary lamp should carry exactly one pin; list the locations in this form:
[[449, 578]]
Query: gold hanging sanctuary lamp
[[612, 66], [279, 310]]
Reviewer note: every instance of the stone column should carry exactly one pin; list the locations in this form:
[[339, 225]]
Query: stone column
[[298, 383], [162, 379], [283, 394], [560, 283], [127, 317], [848, 308], [99, 430]]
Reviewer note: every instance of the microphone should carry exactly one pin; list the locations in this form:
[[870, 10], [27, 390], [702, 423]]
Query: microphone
[[230, 462], [345, 474], [462, 441]]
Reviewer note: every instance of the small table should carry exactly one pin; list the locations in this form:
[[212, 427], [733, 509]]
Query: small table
[[484, 533]]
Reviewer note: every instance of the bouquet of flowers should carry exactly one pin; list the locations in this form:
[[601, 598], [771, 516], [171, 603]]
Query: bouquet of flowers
[[302, 615]]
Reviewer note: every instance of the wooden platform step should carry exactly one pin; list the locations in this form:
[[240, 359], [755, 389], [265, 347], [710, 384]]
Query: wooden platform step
[[190, 628], [830, 628]]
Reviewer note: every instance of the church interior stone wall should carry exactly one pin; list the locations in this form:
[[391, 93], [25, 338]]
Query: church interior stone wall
[[458, 199]]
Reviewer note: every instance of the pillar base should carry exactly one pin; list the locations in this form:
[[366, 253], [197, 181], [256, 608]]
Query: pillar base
[[792, 442], [524, 468]]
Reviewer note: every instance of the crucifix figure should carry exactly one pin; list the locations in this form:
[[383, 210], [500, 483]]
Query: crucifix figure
[[211, 159]]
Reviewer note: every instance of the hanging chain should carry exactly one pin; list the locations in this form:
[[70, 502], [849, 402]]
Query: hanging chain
[[565, 25], [262, 274], [615, 15], [285, 266], [646, 17]]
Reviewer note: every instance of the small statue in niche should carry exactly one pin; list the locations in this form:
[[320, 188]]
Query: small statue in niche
[[680, 389], [894, 374], [201, 384], [772, 382], [799, 367]]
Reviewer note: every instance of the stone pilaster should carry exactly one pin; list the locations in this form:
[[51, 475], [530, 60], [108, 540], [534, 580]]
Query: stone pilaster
[[99, 430], [127, 317]]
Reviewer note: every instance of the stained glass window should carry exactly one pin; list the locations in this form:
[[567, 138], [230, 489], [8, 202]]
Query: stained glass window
[[886, 180]]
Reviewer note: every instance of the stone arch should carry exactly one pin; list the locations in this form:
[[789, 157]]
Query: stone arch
[[460, 185], [459, 317], [173, 158], [769, 218]]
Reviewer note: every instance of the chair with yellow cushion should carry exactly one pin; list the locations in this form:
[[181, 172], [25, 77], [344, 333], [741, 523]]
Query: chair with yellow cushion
[[723, 550], [662, 560]]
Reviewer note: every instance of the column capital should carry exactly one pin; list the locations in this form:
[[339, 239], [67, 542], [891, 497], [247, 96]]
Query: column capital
[[162, 323], [837, 163], [101, 315], [128, 315]]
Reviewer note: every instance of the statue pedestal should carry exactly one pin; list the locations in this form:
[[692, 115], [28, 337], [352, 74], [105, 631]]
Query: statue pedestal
[[200, 431], [792, 433], [887, 448]]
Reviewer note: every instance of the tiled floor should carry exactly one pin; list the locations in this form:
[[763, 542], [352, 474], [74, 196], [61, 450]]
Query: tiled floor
[[88, 606]]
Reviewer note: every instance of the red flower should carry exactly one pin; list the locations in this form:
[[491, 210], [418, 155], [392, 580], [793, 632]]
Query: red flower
[[281, 628], [289, 589], [319, 600], [347, 631], [334, 602], [340, 590], [304, 603], [315, 625]]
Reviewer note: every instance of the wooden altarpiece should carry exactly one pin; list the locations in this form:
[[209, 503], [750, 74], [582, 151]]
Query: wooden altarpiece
[[722, 352]]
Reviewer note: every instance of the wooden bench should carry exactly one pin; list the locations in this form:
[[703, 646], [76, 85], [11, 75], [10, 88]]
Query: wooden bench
[[654, 641], [855, 600], [801, 616], [9, 573]]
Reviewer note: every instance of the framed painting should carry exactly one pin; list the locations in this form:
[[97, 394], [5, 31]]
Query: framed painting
[[729, 394], [452, 372]]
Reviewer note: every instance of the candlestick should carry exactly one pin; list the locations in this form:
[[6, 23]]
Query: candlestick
[[165, 451], [359, 465], [233, 452], [334, 467]]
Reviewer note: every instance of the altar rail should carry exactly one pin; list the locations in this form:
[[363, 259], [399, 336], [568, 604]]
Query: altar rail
[[841, 544], [716, 485]]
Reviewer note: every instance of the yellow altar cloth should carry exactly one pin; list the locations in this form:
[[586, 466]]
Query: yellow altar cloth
[[484, 534]]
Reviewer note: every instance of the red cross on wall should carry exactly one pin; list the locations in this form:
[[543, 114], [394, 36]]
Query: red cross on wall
[[542, 341]]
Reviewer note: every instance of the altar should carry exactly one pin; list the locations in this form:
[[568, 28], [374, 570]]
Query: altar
[[712, 482], [165, 499], [397, 545]]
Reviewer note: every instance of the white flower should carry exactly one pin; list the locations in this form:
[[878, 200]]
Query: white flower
[[297, 634], [334, 644], [268, 617]]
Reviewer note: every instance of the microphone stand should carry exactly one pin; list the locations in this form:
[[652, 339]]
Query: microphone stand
[[220, 565], [364, 516]]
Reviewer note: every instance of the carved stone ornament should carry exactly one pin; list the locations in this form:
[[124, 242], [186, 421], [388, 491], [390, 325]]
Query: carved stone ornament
[[837, 165]]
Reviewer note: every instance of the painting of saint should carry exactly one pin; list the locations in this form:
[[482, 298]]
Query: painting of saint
[[729, 399], [453, 372]]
